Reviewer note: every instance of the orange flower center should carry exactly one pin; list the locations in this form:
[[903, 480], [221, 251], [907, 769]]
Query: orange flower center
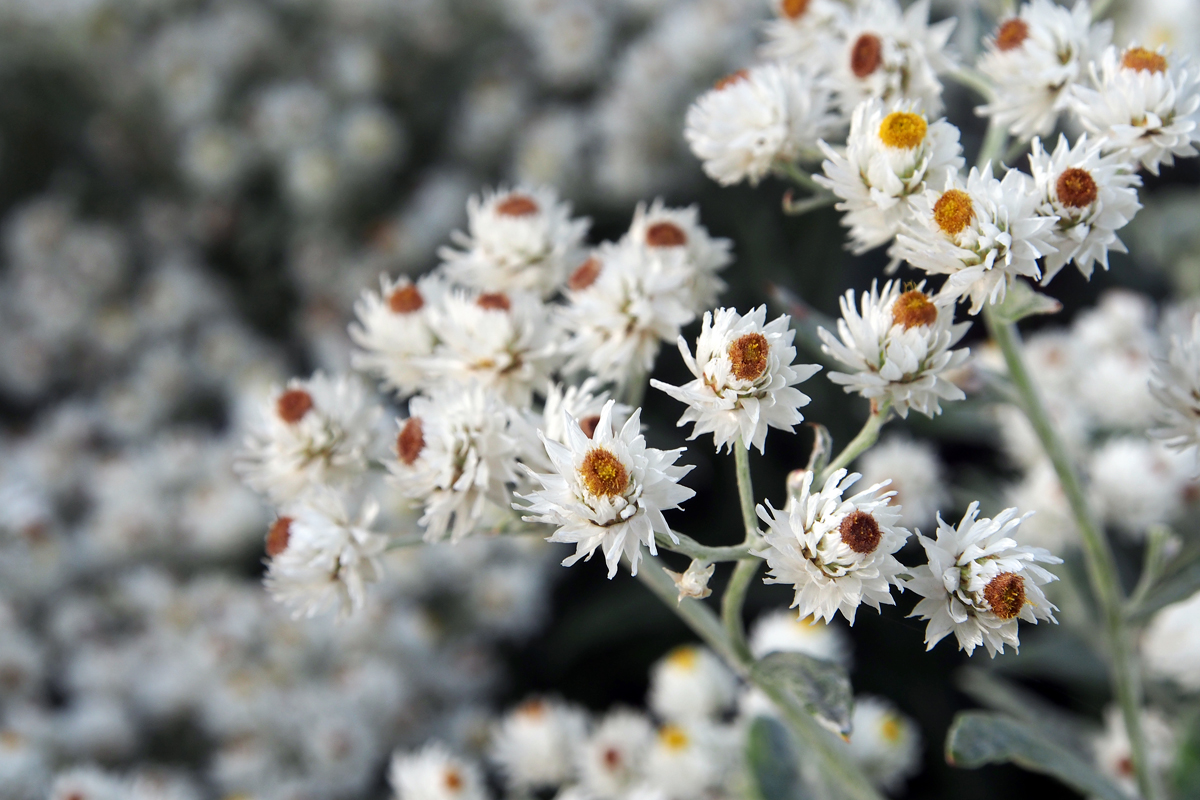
[[584, 275], [406, 300], [953, 211], [665, 234], [866, 55], [1076, 188], [293, 404], [794, 9], [860, 532], [494, 301], [454, 780], [1143, 60], [903, 130], [731, 79], [1005, 593], [278, 535], [1010, 35], [517, 205], [603, 473], [411, 440], [914, 308], [748, 356]]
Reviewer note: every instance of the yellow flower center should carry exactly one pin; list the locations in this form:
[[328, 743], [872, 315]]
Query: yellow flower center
[[903, 130], [1143, 60], [673, 737], [603, 473], [953, 211], [683, 657]]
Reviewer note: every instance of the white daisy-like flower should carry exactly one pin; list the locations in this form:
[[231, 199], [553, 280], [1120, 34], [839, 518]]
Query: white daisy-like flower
[[609, 491], [535, 743], [322, 556], [1137, 483], [982, 235], [508, 342], [837, 551], [781, 632], [434, 773], [755, 117], [522, 239], [582, 403], [456, 455], [979, 582], [1176, 387], [745, 379], [1144, 107], [611, 759], [916, 474], [900, 348], [622, 305], [1114, 755], [687, 761], [1052, 525], [892, 155], [885, 744], [1034, 59], [314, 432], [675, 238], [891, 54], [393, 330], [804, 32], [691, 684], [1171, 644], [1091, 196]]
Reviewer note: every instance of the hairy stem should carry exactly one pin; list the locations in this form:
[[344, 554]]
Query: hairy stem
[[865, 439], [975, 81], [690, 547], [1097, 551], [800, 177], [746, 491], [743, 573]]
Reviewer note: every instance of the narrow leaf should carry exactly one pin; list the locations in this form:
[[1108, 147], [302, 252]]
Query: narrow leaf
[[1022, 300], [773, 761], [821, 687], [821, 449], [999, 694]]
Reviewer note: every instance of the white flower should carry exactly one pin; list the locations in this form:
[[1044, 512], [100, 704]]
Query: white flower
[[744, 379], [1114, 756], [805, 32], [609, 491], [899, 347], [88, 783], [582, 403], [1034, 59], [688, 761], [1091, 197], [1143, 107], [456, 455], [693, 582], [837, 551], [323, 556], [690, 684], [1113, 349], [1175, 384], [781, 632], [753, 118], [675, 237], [519, 240], [1171, 643], [314, 432], [891, 54], [622, 304], [1136, 483], [612, 757], [1052, 525], [534, 744], [505, 341], [889, 160], [983, 235], [979, 582], [885, 744], [435, 774], [916, 476], [393, 329]]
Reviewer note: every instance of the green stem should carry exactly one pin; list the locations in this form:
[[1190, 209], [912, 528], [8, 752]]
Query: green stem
[[994, 143], [975, 81], [690, 547], [798, 176], [397, 542], [1097, 551], [746, 491], [635, 391], [860, 443], [734, 599], [795, 208]]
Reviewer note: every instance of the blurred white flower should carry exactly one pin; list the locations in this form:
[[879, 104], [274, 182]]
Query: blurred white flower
[[1136, 483], [1175, 384], [1170, 645], [675, 238], [1114, 756], [803, 28], [782, 632], [534, 744], [393, 330], [433, 773], [885, 744], [691, 684], [613, 757]]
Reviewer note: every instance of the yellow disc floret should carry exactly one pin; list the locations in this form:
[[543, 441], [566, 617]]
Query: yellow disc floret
[[903, 129], [1143, 60], [953, 211], [603, 473]]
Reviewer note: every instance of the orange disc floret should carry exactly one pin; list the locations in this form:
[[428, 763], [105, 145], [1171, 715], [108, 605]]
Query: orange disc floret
[[1143, 60], [1011, 34], [406, 299], [293, 404], [517, 205], [411, 440], [1005, 593], [453, 779], [860, 532], [494, 301], [603, 473], [953, 211], [793, 9], [665, 234], [584, 275], [278, 535], [1076, 188], [903, 130], [731, 79], [914, 308], [866, 55], [748, 356]]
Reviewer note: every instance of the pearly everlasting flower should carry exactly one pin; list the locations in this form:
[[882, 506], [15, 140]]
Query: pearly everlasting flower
[[1144, 108], [1176, 387], [804, 31], [1091, 198], [622, 305], [1136, 483], [754, 118], [508, 342], [899, 346], [979, 582], [687, 761], [393, 330], [608, 491], [916, 474], [1034, 59], [890, 159], [322, 556], [838, 552], [455, 455], [534, 743], [693, 581], [314, 432], [673, 239], [690, 684], [1113, 754], [982, 235], [1052, 525], [519, 240], [781, 632], [434, 774], [582, 403], [1171, 644], [745, 379], [885, 744], [891, 55], [612, 758]]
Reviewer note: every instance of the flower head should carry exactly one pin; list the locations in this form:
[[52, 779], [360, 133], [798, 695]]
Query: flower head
[[1176, 386], [885, 744], [690, 685], [745, 378], [393, 330], [803, 28], [674, 239], [435, 774], [534, 744]]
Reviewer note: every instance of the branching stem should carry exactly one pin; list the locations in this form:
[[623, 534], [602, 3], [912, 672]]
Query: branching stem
[[865, 439]]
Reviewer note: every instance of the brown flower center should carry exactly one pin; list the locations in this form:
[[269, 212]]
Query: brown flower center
[[612, 758], [588, 425], [748, 356], [953, 211], [860, 532], [866, 55], [603, 473], [914, 308], [278, 535], [1005, 593], [731, 79], [494, 301], [534, 708], [411, 440], [584, 275], [406, 300], [517, 205], [665, 234], [1011, 34], [903, 130], [293, 404], [1076, 188], [1143, 60], [454, 780], [794, 9]]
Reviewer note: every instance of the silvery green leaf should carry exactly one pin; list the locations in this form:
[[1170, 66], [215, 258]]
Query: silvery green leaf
[[821, 687], [977, 738], [821, 449], [1000, 694], [1022, 300], [773, 761]]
